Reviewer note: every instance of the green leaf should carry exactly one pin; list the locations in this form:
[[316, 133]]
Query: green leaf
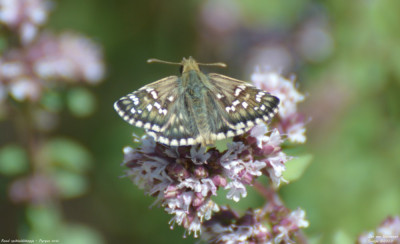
[[67, 154], [70, 184], [222, 145], [81, 102], [296, 167], [13, 160], [52, 101], [43, 219]]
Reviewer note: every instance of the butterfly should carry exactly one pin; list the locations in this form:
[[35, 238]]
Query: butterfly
[[196, 108]]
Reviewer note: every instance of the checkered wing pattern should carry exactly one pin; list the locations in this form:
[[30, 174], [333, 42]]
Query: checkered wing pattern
[[236, 106], [214, 108]]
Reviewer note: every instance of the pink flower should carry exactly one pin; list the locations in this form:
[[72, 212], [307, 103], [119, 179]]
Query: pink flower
[[290, 122], [289, 224], [268, 147], [69, 56], [25, 73]]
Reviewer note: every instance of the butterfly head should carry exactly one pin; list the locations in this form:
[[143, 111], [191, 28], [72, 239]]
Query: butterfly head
[[189, 64]]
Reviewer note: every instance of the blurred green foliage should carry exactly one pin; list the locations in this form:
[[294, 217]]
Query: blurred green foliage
[[45, 224], [13, 160], [81, 102], [352, 182]]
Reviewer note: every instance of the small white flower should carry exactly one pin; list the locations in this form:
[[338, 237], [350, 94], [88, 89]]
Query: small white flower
[[128, 153], [11, 70], [27, 32], [190, 183], [296, 133], [237, 190], [277, 167], [9, 11], [24, 88], [255, 167], [195, 227], [283, 235], [298, 218], [206, 210], [233, 168], [259, 132], [294, 221], [275, 138], [208, 186], [148, 145]]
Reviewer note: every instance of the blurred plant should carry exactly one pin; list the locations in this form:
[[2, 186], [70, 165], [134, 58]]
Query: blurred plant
[[39, 72], [387, 232], [247, 30], [184, 179]]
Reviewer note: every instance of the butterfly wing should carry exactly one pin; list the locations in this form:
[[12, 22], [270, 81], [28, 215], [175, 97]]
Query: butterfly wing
[[236, 106], [148, 107], [161, 110]]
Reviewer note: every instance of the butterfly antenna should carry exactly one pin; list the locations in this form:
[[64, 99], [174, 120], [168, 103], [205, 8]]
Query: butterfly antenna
[[222, 65], [154, 60]]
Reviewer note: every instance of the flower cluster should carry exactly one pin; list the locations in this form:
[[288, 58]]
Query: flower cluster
[[25, 73], [41, 57], [227, 227], [24, 16], [180, 178], [387, 232], [291, 121], [184, 179]]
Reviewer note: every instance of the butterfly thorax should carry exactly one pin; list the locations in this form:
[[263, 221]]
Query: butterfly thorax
[[194, 89]]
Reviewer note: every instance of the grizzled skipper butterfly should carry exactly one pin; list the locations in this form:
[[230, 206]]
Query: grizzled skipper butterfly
[[196, 108]]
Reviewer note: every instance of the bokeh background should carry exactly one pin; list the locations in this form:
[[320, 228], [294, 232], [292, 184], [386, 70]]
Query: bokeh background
[[345, 55]]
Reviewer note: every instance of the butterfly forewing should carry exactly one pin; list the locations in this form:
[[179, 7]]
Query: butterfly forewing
[[162, 111], [149, 106]]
